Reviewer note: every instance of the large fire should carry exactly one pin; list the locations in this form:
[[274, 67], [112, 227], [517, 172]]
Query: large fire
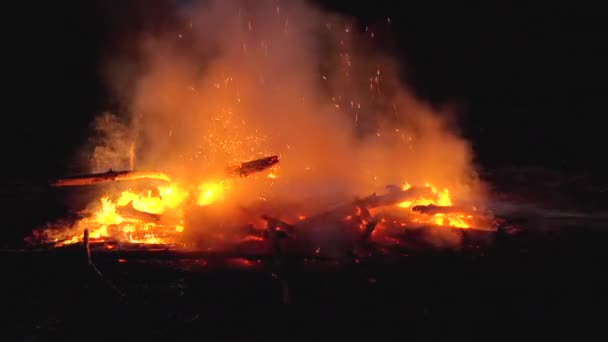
[[235, 81], [157, 216]]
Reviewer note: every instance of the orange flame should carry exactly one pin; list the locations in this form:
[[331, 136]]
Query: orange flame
[[440, 198]]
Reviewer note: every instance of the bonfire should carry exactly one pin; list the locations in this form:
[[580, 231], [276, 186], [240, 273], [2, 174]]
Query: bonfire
[[362, 161]]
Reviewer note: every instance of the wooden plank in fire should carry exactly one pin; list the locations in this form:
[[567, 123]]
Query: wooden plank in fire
[[109, 176], [364, 204], [240, 170]]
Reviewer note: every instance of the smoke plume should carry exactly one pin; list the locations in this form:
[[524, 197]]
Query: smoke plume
[[236, 80]]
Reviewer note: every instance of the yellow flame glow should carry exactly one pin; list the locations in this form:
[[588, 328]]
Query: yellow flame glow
[[209, 193], [440, 198]]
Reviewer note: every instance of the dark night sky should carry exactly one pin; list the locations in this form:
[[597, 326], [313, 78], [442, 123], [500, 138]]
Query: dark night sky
[[531, 77]]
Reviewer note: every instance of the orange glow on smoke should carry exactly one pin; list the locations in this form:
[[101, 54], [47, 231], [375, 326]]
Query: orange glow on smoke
[[209, 193]]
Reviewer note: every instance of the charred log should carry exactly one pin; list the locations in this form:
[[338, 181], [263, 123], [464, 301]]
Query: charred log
[[433, 209], [244, 169]]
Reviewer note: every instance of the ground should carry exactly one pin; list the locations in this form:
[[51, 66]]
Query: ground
[[526, 277]]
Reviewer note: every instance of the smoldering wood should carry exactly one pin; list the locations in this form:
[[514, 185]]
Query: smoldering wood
[[166, 251]]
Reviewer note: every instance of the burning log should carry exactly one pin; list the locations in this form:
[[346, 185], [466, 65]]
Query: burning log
[[393, 197], [110, 176], [130, 212], [246, 168], [433, 209]]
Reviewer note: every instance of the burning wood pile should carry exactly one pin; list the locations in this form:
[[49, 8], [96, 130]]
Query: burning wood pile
[[168, 215], [234, 82]]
